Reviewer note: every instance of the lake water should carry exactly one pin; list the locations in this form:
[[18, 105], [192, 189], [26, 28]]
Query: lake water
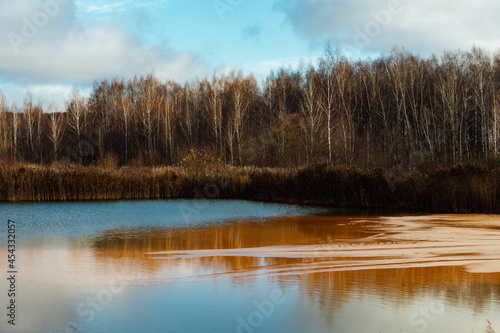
[[234, 266]]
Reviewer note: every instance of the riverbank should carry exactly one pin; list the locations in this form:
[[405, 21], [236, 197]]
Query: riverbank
[[466, 188]]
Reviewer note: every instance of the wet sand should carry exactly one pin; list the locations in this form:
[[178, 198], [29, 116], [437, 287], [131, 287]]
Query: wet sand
[[469, 241]]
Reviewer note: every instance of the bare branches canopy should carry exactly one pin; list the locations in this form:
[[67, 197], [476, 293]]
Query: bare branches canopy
[[370, 113]]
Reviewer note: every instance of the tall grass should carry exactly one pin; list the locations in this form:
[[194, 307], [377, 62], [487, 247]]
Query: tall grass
[[468, 188]]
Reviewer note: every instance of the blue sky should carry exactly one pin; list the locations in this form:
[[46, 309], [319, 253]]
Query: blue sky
[[76, 42]]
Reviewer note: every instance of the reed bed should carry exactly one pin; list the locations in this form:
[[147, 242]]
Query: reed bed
[[465, 188]]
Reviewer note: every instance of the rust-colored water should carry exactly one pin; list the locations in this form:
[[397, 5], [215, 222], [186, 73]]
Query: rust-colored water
[[332, 273]]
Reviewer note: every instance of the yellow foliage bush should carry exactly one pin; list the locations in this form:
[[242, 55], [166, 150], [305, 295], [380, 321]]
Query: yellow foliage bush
[[199, 162]]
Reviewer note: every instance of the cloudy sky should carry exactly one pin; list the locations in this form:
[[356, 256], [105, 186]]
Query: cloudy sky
[[50, 46]]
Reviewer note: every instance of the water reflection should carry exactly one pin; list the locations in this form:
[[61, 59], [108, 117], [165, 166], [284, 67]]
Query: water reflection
[[395, 285], [67, 272]]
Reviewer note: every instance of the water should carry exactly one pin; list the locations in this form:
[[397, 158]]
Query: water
[[234, 266]]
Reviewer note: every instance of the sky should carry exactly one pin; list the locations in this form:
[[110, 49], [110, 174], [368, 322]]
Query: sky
[[49, 47]]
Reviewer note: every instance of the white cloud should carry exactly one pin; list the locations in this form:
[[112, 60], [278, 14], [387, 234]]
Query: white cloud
[[45, 93], [61, 50], [425, 26], [86, 53]]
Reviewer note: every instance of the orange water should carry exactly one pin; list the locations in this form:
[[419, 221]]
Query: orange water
[[332, 273]]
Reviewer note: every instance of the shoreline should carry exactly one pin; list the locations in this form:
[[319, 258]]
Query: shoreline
[[464, 188]]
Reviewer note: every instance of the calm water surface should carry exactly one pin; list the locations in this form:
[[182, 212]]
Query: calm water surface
[[233, 266]]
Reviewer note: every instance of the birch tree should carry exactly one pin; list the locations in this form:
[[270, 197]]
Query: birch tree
[[76, 120], [56, 131], [241, 94], [187, 117], [481, 78], [4, 128], [168, 120], [15, 130], [214, 106], [125, 122], [310, 112], [495, 121], [327, 103], [149, 102], [343, 72]]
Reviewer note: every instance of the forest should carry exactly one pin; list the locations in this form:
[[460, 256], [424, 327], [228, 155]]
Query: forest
[[366, 113], [397, 112]]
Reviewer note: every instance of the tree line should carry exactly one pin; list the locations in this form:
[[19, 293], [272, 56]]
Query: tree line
[[399, 108]]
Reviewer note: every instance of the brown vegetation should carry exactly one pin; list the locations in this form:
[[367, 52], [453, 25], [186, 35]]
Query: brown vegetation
[[460, 189]]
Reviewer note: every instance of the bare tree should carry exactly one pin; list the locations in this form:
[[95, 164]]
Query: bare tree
[[4, 127], [230, 138], [383, 111], [104, 104], [310, 111], [33, 122], [15, 130], [449, 106], [99, 105], [126, 120], [168, 127], [187, 116], [30, 115], [495, 121], [3, 102], [481, 78], [283, 91], [56, 130], [327, 103], [76, 119], [240, 96], [416, 98], [149, 102], [398, 72], [345, 83], [40, 127], [214, 106]]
